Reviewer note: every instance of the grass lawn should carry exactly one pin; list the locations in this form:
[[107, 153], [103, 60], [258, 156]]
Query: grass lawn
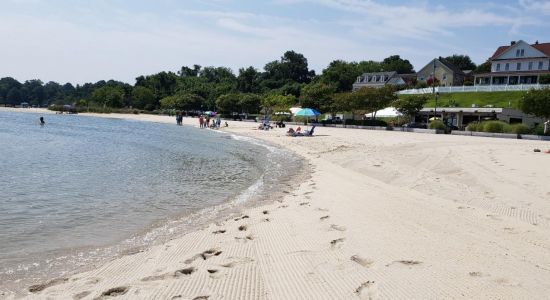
[[480, 99]]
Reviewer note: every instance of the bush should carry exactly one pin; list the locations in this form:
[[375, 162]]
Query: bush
[[539, 129], [474, 126], [494, 126], [369, 122], [517, 129], [437, 124]]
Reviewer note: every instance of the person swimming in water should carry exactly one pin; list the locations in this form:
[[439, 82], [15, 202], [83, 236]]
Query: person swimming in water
[[42, 123]]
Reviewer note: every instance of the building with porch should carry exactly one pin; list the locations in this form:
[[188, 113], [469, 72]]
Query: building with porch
[[462, 116], [518, 63]]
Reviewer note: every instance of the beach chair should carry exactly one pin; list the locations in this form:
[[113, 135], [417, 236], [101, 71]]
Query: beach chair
[[310, 132]]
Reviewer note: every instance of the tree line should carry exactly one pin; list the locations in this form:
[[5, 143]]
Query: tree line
[[282, 83]]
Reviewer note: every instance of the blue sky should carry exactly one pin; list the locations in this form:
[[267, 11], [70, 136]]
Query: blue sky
[[85, 41]]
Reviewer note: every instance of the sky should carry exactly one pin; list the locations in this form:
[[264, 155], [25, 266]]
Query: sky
[[82, 41]]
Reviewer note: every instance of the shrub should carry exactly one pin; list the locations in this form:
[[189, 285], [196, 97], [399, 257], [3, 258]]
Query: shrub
[[437, 124], [539, 129], [517, 129], [494, 126], [474, 126]]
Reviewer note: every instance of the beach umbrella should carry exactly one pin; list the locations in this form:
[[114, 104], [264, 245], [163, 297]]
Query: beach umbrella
[[307, 112]]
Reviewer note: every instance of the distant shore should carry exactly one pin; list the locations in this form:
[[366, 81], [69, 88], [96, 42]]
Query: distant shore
[[384, 215]]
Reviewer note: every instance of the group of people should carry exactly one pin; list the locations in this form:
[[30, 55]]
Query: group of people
[[207, 122]]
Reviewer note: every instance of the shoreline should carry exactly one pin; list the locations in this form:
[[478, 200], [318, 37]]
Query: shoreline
[[384, 215], [162, 230]]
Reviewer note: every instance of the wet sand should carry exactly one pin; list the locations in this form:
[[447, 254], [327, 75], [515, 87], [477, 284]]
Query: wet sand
[[384, 215]]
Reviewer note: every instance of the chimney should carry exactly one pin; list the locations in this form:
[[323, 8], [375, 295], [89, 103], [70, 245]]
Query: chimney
[[512, 43]]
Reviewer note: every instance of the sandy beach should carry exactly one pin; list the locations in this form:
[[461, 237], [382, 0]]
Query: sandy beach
[[384, 215]]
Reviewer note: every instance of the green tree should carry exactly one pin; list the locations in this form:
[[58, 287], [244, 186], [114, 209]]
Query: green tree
[[463, 62], [397, 64], [111, 96], [537, 103], [410, 105], [182, 101], [143, 98], [6, 85], [188, 72], [318, 96], [14, 96], [291, 68], [248, 80], [272, 102], [341, 74], [229, 103], [484, 67], [250, 103]]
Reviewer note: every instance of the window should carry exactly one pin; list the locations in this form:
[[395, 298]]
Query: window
[[530, 65], [498, 67], [507, 67], [518, 66], [540, 65], [522, 52], [517, 53]]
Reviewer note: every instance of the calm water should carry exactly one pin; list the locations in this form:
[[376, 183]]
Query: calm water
[[83, 188]]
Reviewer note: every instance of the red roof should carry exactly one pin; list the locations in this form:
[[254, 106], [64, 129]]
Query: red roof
[[542, 47]]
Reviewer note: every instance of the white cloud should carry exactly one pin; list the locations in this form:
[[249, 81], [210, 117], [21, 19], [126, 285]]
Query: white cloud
[[542, 6]]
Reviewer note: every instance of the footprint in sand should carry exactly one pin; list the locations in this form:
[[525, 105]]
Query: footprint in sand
[[40, 287], [367, 290], [241, 218], [114, 292], [243, 228], [405, 262], [201, 298], [324, 218], [304, 203], [337, 227], [81, 295], [186, 271], [237, 261], [204, 255], [265, 212], [337, 242], [362, 261], [218, 231]]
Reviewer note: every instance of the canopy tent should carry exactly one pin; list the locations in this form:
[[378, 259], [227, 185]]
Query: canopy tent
[[388, 112]]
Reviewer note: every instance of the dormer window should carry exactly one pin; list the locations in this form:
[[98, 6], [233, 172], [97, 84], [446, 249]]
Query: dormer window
[[517, 53], [522, 54]]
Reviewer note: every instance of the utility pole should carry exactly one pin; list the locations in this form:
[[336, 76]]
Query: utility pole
[[433, 91]]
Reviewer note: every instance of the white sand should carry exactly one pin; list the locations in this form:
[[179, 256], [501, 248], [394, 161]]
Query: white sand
[[385, 215]]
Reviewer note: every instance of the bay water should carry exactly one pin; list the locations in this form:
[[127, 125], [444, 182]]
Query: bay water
[[82, 189]]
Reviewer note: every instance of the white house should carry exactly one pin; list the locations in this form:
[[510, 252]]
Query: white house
[[518, 63]]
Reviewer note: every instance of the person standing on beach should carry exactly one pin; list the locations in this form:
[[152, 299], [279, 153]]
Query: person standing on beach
[[207, 121], [201, 121]]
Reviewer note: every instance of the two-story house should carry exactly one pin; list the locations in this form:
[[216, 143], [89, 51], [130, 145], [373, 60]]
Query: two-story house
[[445, 72], [378, 79], [518, 63]]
